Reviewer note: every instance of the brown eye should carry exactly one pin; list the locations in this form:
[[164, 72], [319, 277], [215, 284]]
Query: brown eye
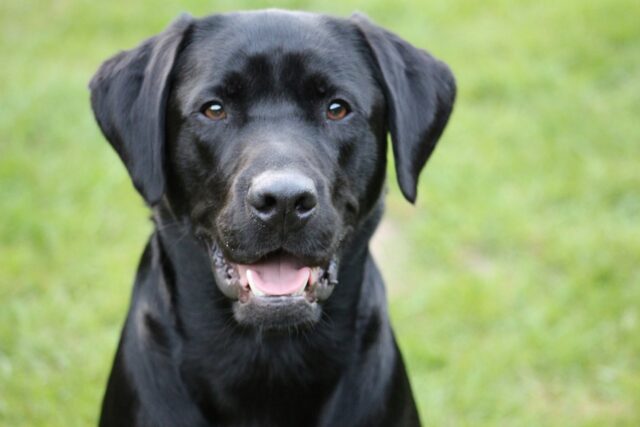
[[338, 109], [214, 111]]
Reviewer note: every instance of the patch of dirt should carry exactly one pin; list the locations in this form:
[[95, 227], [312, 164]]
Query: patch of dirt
[[390, 254]]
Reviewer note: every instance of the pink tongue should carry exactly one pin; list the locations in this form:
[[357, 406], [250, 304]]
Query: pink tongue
[[278, 275]]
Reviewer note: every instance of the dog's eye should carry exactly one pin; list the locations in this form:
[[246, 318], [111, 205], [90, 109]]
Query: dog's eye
[[214, 111], [338, 109]]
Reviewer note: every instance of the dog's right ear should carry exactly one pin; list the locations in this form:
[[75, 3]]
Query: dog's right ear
[[129, 96], [420, 91]]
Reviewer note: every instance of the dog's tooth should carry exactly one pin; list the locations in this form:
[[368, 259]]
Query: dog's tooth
[[332, 271], [316, 274], [300, 291], [309, 282], [254, 288]]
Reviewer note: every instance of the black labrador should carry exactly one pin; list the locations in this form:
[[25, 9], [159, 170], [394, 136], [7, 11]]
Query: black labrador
[[259, 140]]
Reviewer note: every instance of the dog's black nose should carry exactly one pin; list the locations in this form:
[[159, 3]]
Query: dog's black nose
[[282, 199]]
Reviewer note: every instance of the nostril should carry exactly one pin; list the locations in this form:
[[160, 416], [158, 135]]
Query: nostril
[[262, 203], [305, 203], [267, 203]]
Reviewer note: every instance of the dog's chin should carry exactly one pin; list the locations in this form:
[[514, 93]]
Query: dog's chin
[[277, 292]]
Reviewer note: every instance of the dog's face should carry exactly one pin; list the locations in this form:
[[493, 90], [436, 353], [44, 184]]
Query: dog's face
[[266, 131], [276, 149]]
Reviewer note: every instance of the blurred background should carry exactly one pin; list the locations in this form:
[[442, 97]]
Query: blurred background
[[514, 282]]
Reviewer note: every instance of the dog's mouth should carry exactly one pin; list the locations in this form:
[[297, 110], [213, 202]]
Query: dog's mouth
[[278, 274], [278, 290]]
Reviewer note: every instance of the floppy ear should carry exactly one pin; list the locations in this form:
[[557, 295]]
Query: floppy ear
[[129, 95], [420, 91]]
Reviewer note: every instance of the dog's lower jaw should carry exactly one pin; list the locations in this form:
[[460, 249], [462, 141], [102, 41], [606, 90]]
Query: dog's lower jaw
[[277, 313]]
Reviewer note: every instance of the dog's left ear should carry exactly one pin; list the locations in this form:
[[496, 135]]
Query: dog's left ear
[[129, 95], [420, 91]]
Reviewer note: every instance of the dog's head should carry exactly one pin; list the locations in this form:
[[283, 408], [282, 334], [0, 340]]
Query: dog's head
[[267, 132]]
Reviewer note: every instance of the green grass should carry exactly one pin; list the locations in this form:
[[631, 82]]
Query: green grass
[[514, 282]]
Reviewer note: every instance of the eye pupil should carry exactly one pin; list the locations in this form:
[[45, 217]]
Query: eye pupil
[[337, 110], [214, 111]]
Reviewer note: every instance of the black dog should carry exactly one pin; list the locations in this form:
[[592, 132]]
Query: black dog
[[259, 140]]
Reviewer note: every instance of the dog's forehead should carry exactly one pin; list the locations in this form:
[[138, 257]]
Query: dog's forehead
[[225, 44], [260, 32]]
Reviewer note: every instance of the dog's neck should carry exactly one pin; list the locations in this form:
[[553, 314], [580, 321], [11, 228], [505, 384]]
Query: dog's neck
[[193, 323]]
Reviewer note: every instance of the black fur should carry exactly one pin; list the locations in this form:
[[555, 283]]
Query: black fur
[[184, 359]]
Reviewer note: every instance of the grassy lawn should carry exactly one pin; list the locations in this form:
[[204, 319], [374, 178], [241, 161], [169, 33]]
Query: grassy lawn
[[514, 283]]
